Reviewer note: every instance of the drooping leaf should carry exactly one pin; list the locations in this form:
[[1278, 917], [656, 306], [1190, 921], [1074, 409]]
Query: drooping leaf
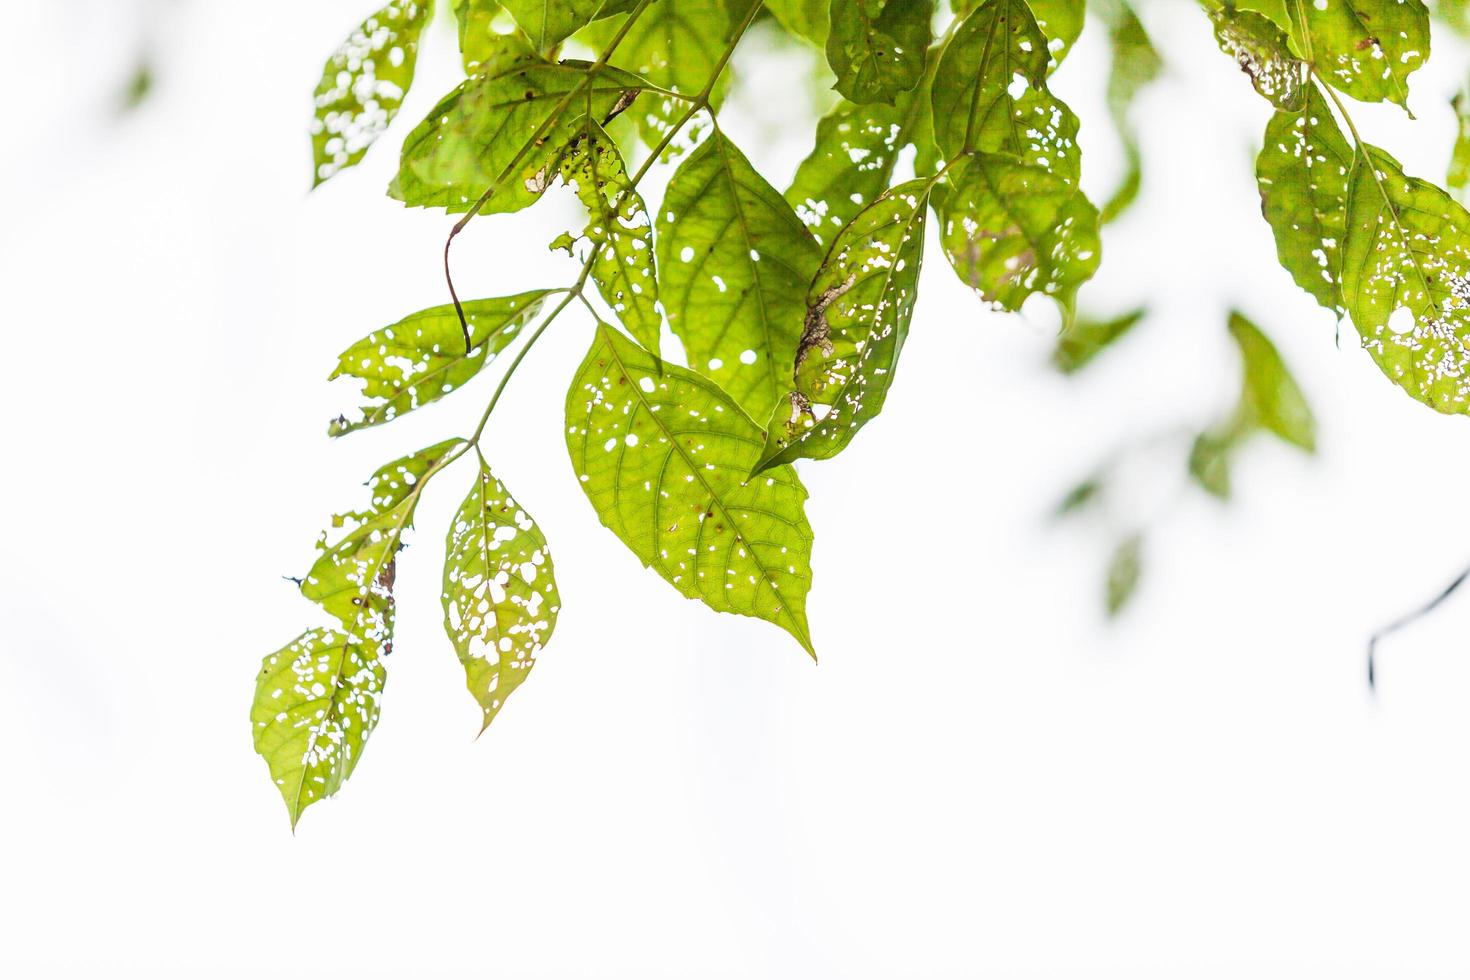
[[857, 317], [1302, 173], [1458, 178], [353, 578], [500, 598], [1124, 570], [619, 230], [1271, 399], [1087, 337], [876, 47], [810, 19], [1135, 63], [422, 357], [665, 457], [856, 149], [735, 263], [1262, 51], [363, 85], [549, 22], [317, 700], [483, 48], [475, 133], [1365, 48], [674, 44], [1406, 280]]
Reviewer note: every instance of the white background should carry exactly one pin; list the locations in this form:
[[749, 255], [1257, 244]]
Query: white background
[[981, 778]]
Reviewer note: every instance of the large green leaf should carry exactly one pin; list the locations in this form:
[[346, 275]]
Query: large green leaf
[[549, 22], [500, 599], [1366, 48], [353, 578], [1406, 280], [363, 85], [1262, 51], [735, 263], [665, 457], [475, 133], [1302, 173], [858, 312], [618, 230], [810, 19], [1135, 63], [422, 357], [876, 47], [484, 49], [675, 44], [316, 702]]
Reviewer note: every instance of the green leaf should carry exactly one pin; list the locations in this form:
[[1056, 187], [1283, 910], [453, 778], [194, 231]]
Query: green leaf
[[1061, 21], [1405, 269], [475, 133], [422, 357], [1012, 229], [484, 49], [549, 22], [1302, 173], [363, 85], [1124, 570], [1087, 337], [1209, 462], [857, 148], [876, 47], [990, 88], [1366, 48], [619, 231], [735, 262], [316, 702], [810, 19], [1458, 178], [664, 455], [353, 579], [858, 312], [500, 599], [1135, 64], [675, 44], [1271, 399], [1078, 498], [1262, 51]]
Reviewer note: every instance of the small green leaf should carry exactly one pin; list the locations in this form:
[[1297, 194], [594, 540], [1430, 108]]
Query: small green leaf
[[475, 133], [1078, 498], [664, 456], [857, 317], [1209, 461], [618, 230], [549, 22], [1302, 173], [1458, 178], [810, 19], [1271, 398], [316, 702], [1086, 337], [1262, 51], [1406, 280], [484, 49], [500, 599], [1124, 570], [353, 579], [1365, 48], [876, 47], [363, 85], [735, 263], [422, 357], [1135, 63]]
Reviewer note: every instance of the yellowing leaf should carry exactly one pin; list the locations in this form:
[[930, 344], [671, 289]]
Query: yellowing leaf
[[664, 456]]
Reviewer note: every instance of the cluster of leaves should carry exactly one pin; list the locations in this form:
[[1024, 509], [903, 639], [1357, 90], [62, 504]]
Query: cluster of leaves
[[792, 307]]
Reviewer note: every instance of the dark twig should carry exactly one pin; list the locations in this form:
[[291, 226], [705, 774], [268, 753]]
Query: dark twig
[[1400, 623]]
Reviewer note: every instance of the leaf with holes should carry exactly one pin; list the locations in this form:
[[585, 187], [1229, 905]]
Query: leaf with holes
[[317, 700], [618, 231], [1060, 20], [1406, 280], [876, 47], [1262, 51], [665, 456], [735, 262], [422, 357], [1366, 48], [500, 599], [363, 85], [1302, 173], [858, 312], [477, 132]]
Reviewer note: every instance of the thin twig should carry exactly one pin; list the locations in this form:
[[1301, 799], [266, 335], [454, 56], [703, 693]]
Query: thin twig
[[1412, 617]]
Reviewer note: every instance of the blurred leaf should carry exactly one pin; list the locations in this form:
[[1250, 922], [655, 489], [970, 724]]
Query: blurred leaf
[[619, 231], [473, 135], [858, 310], [363, 85], [500, 599], [1087, 337], [316, 702], [810, 19], [1271, 398], [876, 47], [1459, 172], [664, 455], [1209, 461], [1124, 570], [1262, 51], [422, 357], [1078, 498], [1135, 63], [735, 262]]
